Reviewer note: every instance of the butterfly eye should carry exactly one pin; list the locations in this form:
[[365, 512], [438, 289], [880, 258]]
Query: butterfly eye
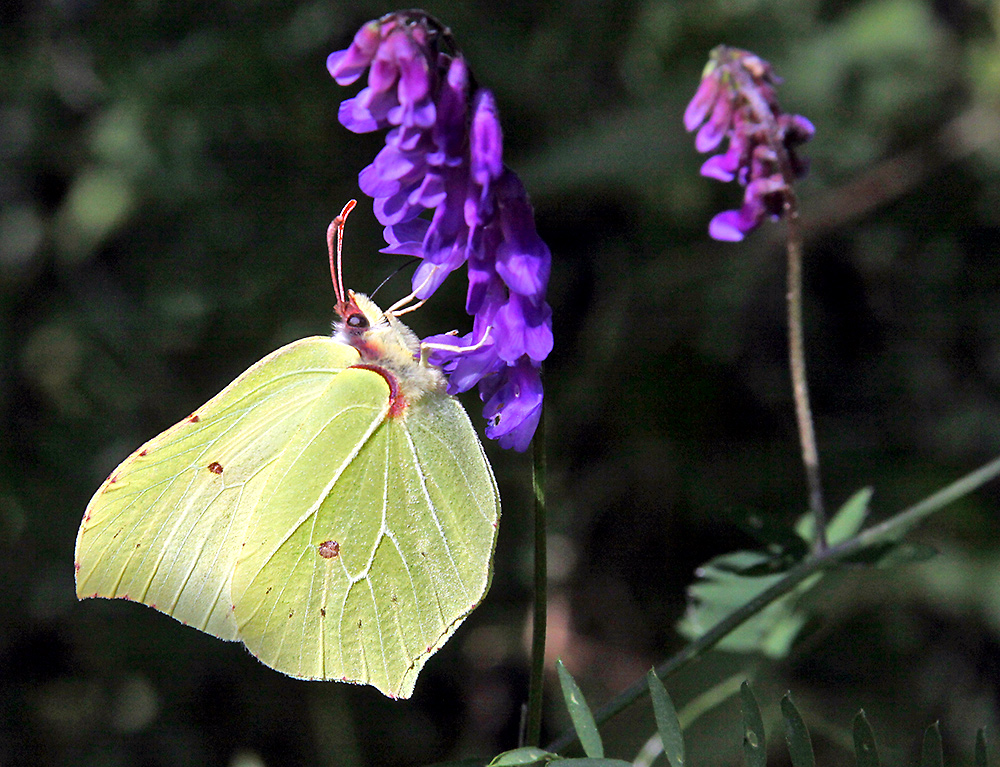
[[357, 321]]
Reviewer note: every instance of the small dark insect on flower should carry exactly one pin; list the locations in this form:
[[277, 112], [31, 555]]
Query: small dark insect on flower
[[444, 154], [736, 99]]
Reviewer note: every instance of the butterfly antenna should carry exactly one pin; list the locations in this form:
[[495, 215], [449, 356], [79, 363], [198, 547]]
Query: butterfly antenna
[[406, 264], [336, 228]]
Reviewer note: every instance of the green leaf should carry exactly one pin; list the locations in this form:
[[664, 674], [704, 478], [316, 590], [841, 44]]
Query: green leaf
[[981, 758], [579, 712], [865, 750], [666, 721], [849, 518], [587, 761], [750, 564], [797, 735], [727, 582], [844, 524], [932, 755], [754, 739], [519, 756], [723, 586]]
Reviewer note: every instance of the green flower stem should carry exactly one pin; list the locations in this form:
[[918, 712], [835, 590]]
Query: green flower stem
[[533, 729], [890, 530], [797, 363]]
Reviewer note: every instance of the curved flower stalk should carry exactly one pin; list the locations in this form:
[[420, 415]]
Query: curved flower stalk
[[736, 99], [443, 154]]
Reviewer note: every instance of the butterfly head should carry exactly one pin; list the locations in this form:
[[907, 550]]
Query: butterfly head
[[379, 337], [386, 343]]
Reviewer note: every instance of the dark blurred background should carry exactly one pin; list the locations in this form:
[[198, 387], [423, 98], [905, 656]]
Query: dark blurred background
[[167, 172]]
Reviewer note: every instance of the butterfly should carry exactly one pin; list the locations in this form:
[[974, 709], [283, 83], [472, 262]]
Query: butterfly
[[332, 508]]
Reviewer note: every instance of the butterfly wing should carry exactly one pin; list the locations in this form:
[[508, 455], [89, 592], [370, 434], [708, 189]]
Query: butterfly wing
[[389, 547], [452, 546], [165, 528]]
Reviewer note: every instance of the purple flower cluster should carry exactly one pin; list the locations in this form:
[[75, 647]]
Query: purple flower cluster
[[443, 154], [736, 99]]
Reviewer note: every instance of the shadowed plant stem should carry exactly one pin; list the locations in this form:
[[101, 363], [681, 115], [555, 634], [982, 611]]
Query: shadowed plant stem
[[797, 363], [892, 529], [533, 729]]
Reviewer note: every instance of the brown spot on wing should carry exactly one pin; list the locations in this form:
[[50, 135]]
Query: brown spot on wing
[[215, 467], [329, 549]]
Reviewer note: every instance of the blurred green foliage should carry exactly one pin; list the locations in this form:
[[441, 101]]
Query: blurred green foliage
[[167, 172]]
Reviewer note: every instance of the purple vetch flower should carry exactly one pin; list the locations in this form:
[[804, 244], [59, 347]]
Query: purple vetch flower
[[736, 99], [443, 157], [513, 405]]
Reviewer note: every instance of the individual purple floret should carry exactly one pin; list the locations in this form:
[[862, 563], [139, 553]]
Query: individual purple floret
[[443, 155], [736, 99]]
